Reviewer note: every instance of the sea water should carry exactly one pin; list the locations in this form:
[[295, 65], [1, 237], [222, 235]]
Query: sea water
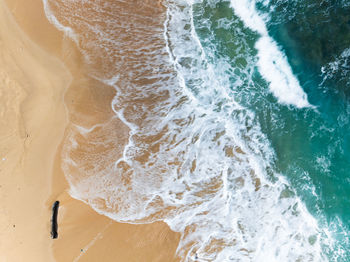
[[238, 119]]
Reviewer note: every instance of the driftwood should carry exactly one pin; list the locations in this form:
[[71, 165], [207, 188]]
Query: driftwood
[[54, 225]]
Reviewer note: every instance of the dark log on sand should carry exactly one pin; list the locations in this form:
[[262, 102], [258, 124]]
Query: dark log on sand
[[54, 226]]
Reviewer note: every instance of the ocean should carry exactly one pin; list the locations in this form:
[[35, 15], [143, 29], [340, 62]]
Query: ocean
[[237, 123]]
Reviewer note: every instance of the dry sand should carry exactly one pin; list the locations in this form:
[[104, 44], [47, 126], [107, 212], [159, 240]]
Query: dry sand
[[33, 121]]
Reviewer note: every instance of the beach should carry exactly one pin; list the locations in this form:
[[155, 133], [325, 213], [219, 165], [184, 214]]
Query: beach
[[43, 81], [174, 130], [33, 123]]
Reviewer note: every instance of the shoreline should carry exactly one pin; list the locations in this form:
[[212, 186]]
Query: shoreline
[[83, 234]]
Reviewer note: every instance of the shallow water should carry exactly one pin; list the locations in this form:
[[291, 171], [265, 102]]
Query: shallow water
[[235, 116]]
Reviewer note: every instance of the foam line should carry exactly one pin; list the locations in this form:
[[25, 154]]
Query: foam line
[[223, 203], [53, 20], [272, 63]]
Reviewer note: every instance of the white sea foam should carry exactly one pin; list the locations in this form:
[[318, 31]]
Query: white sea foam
[[232, 203], [272, 63], [340, 65], [68, 31], [208, 171]]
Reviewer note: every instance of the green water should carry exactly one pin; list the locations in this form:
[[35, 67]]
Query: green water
[[312, 145], [218, 156]]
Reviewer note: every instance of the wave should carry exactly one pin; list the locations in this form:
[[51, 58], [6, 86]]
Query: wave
[[272, 63], [194, 156]]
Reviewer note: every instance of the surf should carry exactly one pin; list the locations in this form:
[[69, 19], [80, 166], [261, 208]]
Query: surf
[[195, 155]]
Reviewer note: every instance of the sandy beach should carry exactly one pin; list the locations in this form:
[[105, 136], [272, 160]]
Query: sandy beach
[[44, 90], [170, 130]]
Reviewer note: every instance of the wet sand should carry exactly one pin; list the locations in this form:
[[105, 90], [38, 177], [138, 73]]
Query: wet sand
[[35, 84]]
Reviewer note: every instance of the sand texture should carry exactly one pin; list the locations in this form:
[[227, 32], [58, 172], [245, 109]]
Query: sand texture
[[44, 90], [33, 119]]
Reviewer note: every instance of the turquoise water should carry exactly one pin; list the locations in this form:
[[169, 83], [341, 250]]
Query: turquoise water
[[312, 145], [238, 118]]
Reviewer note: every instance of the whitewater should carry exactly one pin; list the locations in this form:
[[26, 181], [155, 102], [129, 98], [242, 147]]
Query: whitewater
[[196, 156]]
